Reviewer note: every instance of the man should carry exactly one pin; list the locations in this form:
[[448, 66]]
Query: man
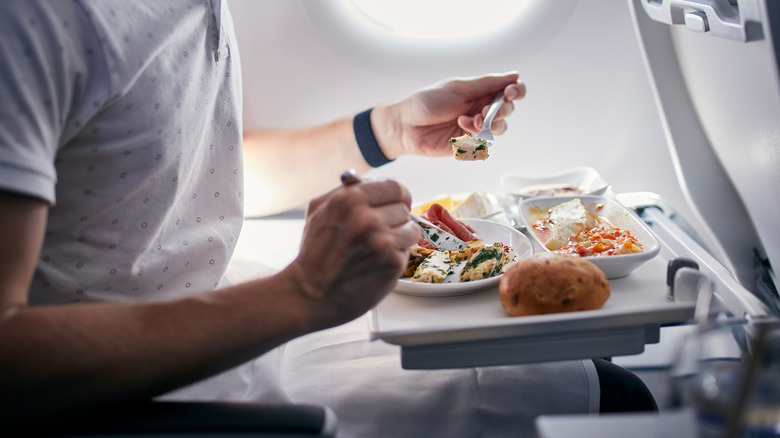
[[121, 201], [114, 117]]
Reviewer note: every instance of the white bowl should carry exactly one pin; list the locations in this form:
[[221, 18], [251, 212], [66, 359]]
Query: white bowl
[[613, 266]]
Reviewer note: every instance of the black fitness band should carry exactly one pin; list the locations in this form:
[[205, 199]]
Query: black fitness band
[[366, 140]]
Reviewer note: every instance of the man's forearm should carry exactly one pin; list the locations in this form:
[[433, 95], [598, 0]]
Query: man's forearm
[[286, 168], [62, 359]]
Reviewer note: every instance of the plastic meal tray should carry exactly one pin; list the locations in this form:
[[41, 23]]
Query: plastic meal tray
[[473, 330]]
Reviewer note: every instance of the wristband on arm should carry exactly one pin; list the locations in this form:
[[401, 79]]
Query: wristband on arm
[[366, 140]]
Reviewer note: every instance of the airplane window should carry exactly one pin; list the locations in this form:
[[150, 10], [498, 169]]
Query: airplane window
[[391, 34], [439, 19]]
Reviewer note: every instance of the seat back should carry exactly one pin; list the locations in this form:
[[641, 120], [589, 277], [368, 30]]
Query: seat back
[[713, 67]]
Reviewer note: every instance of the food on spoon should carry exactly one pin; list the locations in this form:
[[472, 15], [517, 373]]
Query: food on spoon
[[551, 283], [569, 228], [434, 268], [487, 262], [467, 148]]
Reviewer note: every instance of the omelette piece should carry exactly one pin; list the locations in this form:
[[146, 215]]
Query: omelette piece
[[461, 255], [566, 219], [467, 148], [488, 262], [411, 265], [434, 268]]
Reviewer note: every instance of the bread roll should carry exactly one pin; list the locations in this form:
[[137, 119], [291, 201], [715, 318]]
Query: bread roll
[[552, 283]]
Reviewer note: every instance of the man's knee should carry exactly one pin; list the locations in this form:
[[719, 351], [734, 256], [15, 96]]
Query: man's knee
[[622, 390]]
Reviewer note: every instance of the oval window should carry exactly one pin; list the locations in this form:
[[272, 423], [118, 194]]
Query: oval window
[[440, 19]]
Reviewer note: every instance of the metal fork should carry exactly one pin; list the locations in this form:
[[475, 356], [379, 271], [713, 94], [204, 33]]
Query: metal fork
[[485, 133], [434, 235]]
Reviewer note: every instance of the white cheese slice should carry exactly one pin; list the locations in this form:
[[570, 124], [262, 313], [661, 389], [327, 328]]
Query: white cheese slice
[[477, 204], [566, 219]]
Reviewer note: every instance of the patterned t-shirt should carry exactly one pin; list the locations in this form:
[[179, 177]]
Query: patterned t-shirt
[[125, 116]]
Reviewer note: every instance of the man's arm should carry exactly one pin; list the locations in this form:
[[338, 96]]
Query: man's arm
[[285, 168], [58, 360]]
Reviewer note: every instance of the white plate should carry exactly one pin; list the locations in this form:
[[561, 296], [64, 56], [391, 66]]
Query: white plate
[[490, 232], [614, 266], [586, 179]]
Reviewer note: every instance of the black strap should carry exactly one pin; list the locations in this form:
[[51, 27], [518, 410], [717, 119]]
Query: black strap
[[366, 140]]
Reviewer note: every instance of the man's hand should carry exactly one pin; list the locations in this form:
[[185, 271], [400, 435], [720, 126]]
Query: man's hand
[[420, 124], [423, 123], [355, 247]]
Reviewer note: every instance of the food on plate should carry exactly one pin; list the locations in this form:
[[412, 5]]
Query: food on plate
[[487, 262], [549, 190], [463, 205], [477, 261], [447, 202], [418, 253], [551, 283], [434, 268], [476, 204], [602, 241], [570, 228], [440, 217], [562, 221], [468, 148]]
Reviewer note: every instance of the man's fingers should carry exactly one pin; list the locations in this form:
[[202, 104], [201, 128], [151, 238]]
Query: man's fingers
[[394, 215], [383, 192], [514, 91], [506, 109], [467, 124], [408, 234], [487, 85], [498, 127], [473, 125]]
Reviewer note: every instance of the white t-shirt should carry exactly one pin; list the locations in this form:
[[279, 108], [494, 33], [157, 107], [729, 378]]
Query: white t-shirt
[[125, 115]]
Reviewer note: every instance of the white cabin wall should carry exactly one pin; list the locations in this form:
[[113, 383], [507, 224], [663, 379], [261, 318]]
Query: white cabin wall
[[589, 100]]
